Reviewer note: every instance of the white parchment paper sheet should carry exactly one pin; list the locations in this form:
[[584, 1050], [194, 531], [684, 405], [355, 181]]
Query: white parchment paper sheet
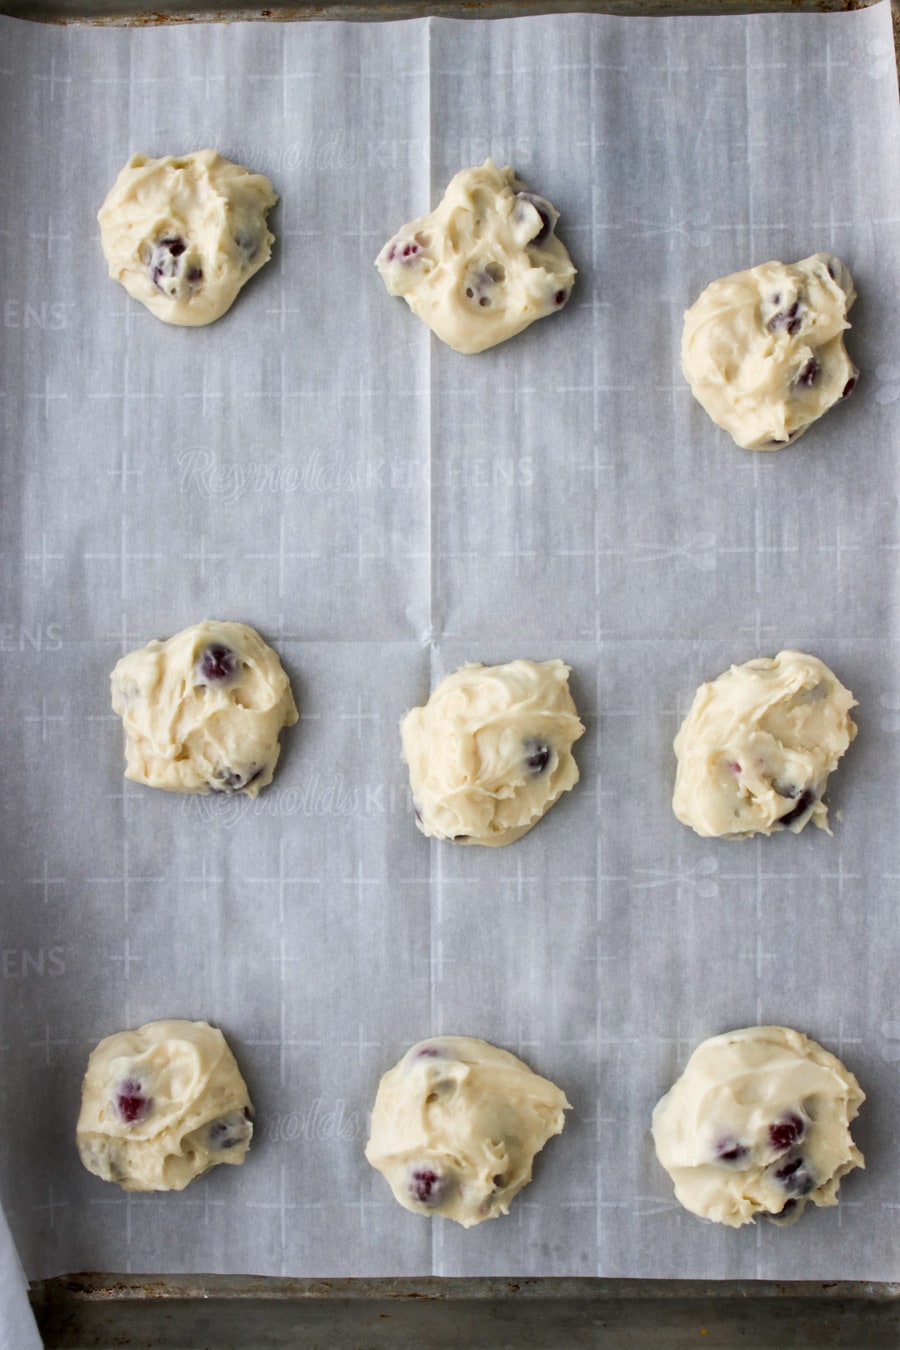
[[383, 509]]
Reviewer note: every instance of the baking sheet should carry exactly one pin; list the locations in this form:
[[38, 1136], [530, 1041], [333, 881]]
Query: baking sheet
[[383, 509]]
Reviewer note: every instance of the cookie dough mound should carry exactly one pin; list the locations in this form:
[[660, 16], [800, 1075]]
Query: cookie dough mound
[[203, 710], [456, 1126], [758, 1123], [491, 751], [183, 234], [484, 265], [755, 751], [763, 350], [162, 1105]]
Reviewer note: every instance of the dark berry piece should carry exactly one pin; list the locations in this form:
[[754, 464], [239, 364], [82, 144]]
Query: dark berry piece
[[794, 1177], [560, 298], [777, 1215], [426, 1186], [805, 802], [537, 756], [544, 210], [248, 244], [233, 780], [430, 1052], [131, 1103], [218, 663], [408, 251], [731, 1152], [788, 321], [164, 266], [807, 376], [481, 284], [418, 814], [849, 387], [784, 1134], [229, 1131], [499, 1181], [193, 275]]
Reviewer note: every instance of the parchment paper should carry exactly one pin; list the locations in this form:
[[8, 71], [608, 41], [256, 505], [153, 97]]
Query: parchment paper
[[383, 509]]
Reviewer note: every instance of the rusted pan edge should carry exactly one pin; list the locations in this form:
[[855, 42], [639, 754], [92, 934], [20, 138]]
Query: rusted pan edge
[[244, 1313], [91, 1287], [188, 11]]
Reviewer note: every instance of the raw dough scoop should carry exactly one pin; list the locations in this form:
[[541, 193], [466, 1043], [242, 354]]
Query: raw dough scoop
[[162, 1105], [491, 750], [484, 264], [763, 350], [755, 751], [184, 233], [456, 1126], [758, 1123], [203, 711]]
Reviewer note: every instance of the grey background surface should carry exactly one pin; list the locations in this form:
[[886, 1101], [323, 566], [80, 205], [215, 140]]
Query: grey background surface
[[383, 509]]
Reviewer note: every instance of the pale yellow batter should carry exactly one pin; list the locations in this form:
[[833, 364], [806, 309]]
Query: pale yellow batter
[[758, 1123], [763, 350], [755, 751], [491, 750], [484, 264], [203, 711], [162, 1105], [183, 234], [456, 1126]]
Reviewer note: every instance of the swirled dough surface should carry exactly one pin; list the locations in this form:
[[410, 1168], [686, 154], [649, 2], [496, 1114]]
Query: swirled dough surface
[[203, 710], [484, 264], [491, 750], [758, 1123], [456, 1126], [184, 233], [763, 350], [755, 751], [162, 1105]]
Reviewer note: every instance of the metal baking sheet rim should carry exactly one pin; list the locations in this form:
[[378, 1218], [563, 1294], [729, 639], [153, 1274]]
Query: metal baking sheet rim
[[103, 1307], [256, 1312]]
